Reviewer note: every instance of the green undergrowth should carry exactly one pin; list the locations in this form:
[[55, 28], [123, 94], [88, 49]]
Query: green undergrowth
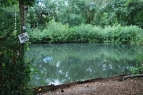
[[14, 67], [138, 69], [56, 32]]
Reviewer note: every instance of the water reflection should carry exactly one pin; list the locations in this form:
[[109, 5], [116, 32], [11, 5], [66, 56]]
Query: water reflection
[[63, 63], [46, 59]]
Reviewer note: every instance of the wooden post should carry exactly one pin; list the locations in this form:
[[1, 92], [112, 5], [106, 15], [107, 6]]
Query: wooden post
[[22, 18], [23, 14], [23, 11]]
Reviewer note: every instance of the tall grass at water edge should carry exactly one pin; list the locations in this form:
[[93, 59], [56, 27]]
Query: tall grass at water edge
[[56, 32]]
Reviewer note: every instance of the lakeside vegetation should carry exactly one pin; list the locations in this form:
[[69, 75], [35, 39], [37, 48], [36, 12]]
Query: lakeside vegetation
[[56, 32]]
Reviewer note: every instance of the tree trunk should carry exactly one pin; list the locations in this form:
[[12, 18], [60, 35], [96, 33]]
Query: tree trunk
[[22, 26]]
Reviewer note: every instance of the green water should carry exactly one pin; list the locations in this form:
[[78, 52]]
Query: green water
[[68, 62]]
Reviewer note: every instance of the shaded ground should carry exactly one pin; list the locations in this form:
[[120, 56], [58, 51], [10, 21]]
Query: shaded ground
[[130, 86]]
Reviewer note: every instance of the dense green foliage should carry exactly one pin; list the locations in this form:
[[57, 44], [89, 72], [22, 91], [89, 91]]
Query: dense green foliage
[[14, 68], [13, 2], [139, 65], [95, 12], [58, 33]]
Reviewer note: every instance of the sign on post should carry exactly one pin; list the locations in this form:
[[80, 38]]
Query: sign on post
[[23, 37]]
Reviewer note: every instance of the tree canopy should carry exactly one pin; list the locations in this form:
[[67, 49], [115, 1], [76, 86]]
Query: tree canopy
[[95, 12], [12, 2]]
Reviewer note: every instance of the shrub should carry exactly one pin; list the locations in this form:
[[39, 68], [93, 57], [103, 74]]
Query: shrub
[[87, 33], [138, 69], [14, 70], [54, 32], [57, 32], [122, 34]]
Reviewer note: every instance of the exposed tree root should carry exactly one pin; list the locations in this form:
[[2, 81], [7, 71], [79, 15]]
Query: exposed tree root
[[132, 76]]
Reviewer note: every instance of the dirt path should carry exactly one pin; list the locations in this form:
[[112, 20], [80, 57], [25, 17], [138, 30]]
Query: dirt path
[[130, 86]]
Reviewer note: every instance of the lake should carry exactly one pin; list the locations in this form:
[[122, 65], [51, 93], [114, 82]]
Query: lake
[[68, 62]]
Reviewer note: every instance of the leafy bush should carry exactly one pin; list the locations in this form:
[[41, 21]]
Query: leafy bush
[[139, 66], [54, 32], [84, 33], [14, 69], [122, 34], [57, 33]]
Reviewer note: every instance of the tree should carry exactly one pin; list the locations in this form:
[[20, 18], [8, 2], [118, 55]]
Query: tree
[[96, 12], [14, 70], [73, 12], [42, 12], [124, 12]]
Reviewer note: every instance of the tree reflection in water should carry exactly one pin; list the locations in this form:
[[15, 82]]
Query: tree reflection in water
[[63, 63]]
